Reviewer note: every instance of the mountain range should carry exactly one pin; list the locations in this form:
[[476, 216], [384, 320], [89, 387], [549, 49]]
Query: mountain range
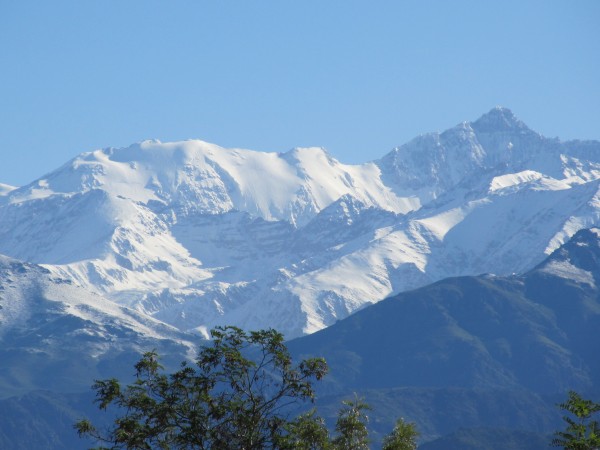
[[195, 235], [482, 238]]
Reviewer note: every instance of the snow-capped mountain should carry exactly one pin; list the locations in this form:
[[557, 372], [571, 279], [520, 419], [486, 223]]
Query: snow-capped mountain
[[196, 235], [58, 336]]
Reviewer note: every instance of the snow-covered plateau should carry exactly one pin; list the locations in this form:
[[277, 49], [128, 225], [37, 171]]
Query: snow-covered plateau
[[188, 235]]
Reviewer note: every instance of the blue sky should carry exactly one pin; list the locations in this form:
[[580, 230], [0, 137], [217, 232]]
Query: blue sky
[[355, 77]]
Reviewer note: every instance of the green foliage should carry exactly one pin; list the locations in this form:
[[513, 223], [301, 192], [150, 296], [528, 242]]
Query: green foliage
[[351, 426], [228, 401], [306, 432], [582, 433], [402, 437]]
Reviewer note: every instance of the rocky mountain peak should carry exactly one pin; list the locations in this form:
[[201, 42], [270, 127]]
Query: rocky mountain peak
[[499, 119]]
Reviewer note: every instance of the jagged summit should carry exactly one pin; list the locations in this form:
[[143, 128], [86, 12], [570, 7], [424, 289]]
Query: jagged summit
[[499, 119], [496, 144]]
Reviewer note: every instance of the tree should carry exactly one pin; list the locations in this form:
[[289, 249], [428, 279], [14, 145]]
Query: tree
[[240, 394], [402, 437], [351, 425], [226, 401], [582, 433], [306, 432]]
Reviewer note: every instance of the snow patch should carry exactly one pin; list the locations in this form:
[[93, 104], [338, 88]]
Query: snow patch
[[528, 178], [565, 269], [5, 189]]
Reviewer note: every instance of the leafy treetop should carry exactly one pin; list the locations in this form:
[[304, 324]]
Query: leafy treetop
[[227, 400]]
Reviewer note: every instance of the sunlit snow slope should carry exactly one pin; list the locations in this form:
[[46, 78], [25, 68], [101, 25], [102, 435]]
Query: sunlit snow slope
[[196, 235], [56, 335]]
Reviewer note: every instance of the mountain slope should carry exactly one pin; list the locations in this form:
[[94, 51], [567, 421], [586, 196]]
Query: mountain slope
[[525, 339], [57, 336]]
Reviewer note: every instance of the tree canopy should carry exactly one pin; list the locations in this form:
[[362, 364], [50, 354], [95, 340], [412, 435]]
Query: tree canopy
[[243, 392], [582, 431], [402, 437], [226, 401]]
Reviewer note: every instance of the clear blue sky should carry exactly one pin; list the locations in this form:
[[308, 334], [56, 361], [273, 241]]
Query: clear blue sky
[[355, 77]]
